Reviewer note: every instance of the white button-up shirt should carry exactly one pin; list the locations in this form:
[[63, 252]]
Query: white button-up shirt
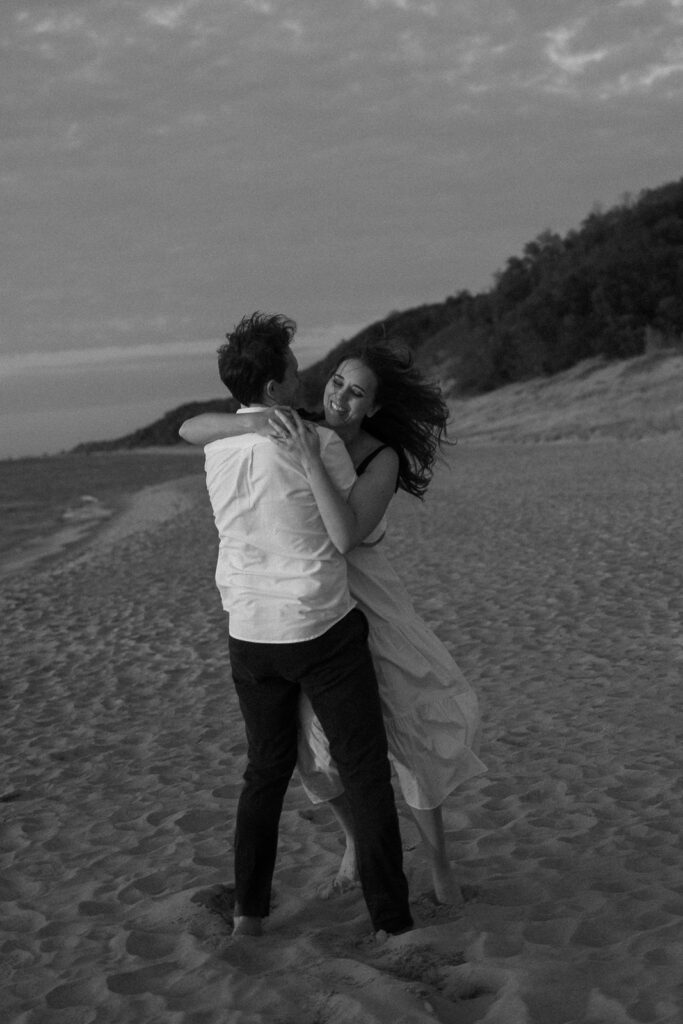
[[280, 577]]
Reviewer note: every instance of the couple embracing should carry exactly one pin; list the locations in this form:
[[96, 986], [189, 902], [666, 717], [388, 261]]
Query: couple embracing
[[334, 671]]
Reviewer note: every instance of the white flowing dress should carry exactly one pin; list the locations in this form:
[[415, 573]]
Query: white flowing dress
[[431, 713]]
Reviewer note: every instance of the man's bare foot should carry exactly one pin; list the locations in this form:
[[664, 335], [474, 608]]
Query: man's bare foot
[[247, 926], [380, 938]]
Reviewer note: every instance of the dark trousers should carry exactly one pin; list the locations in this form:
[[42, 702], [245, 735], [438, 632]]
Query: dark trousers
[[336, 673]]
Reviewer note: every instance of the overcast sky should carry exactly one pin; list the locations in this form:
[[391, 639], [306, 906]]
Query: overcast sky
[[167, 167]]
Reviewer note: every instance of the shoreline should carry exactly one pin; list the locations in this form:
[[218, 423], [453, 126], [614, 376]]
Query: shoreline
[[94, 490], [134, 512]]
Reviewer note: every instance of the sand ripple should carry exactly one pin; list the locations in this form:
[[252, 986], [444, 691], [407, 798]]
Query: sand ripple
[[554, 575]]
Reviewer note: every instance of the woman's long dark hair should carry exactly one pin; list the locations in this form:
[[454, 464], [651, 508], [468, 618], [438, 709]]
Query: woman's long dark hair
[[413, 414]]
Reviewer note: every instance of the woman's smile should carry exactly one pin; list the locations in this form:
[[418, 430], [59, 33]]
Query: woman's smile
[[350, 393], [337, 407]]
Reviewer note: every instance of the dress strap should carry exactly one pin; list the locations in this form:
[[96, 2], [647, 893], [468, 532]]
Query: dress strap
[[362, 466]]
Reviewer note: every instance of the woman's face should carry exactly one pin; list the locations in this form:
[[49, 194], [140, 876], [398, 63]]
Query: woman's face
[[350, 394]]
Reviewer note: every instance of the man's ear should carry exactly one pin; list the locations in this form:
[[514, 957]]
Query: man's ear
[[270, 389]]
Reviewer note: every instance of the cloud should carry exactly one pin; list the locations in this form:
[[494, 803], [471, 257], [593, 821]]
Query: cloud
[[612, 51], [20, 363], [65, 24], [560, 52], [428, 7], [310, 345], [260, 6], [170, 165], [648, 78], [168, 16]]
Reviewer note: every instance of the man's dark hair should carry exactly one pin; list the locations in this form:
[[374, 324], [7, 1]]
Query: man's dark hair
[[255, 352]]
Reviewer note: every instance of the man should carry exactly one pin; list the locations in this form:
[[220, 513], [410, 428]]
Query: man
[[293, 627]]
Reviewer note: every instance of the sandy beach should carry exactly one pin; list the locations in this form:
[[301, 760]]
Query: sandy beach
[[553, 574]]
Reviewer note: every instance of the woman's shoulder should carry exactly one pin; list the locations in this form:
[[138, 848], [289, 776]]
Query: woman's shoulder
[[373, 450], [369, 446]]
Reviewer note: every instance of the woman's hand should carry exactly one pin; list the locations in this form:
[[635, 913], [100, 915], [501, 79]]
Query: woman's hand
[[268, 424], [294, 434]]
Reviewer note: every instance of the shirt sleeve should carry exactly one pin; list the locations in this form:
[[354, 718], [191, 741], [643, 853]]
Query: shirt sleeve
[[336, 461]]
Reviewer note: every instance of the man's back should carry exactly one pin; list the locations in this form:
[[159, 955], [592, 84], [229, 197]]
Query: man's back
[[280, 577]]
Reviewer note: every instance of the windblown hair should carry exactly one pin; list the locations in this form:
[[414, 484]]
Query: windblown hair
[[255, 352], [413, 414]]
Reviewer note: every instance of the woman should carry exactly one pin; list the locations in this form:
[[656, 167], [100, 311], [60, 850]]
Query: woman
[[392, 422]]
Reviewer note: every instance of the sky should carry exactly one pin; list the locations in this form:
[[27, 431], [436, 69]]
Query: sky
[[168, 167]]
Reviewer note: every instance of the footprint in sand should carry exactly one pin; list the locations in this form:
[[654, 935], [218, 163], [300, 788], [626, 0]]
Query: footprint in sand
[[218, 900]]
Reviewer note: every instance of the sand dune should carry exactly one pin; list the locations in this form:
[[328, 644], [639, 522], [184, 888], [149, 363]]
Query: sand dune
[[633, 398], [553, 573]]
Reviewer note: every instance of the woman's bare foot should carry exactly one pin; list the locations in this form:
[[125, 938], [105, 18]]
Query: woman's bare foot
[[430, 826], [346, 877], [337, 887], [446, 889]]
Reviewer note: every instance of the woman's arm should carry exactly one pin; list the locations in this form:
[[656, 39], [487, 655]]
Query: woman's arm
[[212, 426], [349, 522]]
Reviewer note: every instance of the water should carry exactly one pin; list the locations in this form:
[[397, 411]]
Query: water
[[41, 498]]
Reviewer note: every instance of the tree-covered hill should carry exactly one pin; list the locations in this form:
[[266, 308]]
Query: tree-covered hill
[[611, 288], [163, 431]]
